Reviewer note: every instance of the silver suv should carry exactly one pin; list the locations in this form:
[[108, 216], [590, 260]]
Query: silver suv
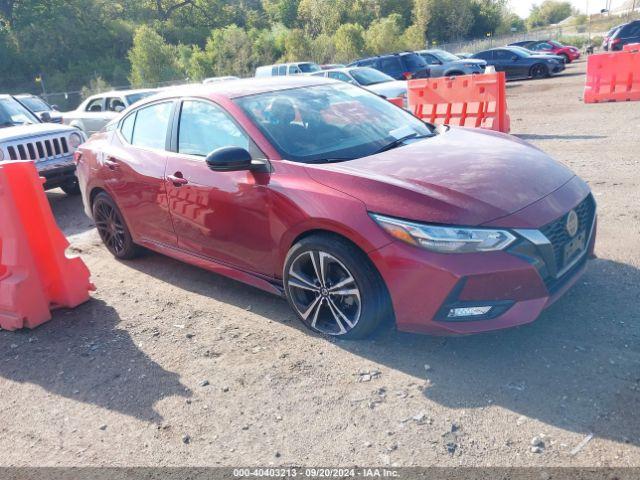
[[444, 64], [51, 147]]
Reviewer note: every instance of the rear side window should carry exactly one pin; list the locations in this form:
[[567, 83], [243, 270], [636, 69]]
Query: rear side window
[[631, 30], [126, 129], [94, 105], [151, 125], [205, 127], [390, 64], [293, 70], [414, 62], [484, 55], [282, 70], [274, 71], [504, 54], [366, 63]]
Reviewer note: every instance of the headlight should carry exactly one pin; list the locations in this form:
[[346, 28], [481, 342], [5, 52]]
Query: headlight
[[75, 139], [445, 239]]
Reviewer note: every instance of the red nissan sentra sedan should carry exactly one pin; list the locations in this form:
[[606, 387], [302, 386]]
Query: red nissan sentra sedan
[[350, 207]]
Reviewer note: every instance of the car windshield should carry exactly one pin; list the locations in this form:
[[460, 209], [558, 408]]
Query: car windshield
[[309, 67], [555, 44], [14, 113], [136, 97], [35, 104], [369, 76], [444, 56], [335, 122]]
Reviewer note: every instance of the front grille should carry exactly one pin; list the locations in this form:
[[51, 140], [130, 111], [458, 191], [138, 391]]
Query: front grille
[[39, 149], [556, 231]]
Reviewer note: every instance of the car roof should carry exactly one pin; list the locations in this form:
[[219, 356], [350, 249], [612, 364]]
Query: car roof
[[244, 87], [120, 93]]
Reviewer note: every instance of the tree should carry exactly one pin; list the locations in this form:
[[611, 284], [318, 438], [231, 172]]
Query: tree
[[385, 35], [296, 45], [349, 42], [449, 20], [282, 11], [152, 60], [96, 85], [549, 12], [229, 51]]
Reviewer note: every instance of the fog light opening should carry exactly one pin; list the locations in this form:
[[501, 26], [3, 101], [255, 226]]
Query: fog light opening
[[474, 311]]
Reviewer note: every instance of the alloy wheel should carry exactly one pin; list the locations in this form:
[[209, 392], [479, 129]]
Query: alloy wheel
[[324, 292], [110, 227]]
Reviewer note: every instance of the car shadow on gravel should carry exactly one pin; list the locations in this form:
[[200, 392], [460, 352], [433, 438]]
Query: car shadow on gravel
[[69, 212], [82, 355], [576, 368]]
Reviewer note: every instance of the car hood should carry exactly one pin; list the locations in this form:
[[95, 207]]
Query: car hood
[[33, 130], [462, 176], [389, 89]]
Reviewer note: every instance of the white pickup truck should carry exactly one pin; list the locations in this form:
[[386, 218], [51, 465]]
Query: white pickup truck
[[51, 147]]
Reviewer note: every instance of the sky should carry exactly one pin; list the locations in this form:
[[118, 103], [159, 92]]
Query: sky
[[522, 7]]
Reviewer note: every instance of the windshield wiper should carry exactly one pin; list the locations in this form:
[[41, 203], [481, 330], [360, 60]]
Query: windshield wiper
[[399, 141]]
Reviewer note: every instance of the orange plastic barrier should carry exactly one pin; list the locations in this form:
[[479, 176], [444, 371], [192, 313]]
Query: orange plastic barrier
[[467, 101], [613, 77], [35, 274], [631, 47], [398, 102]]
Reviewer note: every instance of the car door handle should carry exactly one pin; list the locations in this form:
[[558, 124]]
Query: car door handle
[[111, 163], [177, 179]]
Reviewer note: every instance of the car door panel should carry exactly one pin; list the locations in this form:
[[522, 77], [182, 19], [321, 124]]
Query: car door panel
[[224, 216]]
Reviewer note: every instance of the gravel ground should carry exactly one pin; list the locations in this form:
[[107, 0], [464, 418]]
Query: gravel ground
[[172, 365]]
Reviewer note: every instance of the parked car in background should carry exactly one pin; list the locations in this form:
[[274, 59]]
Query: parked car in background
[[464, 55], [42, 109], [401, 66], [331, 66], [607, 36], [626, 34], [444, 64], [285, 69], [219, 79], [531, 52], [551, 46], [517, 64], [23, 136], [369, 78], [353, 209], [96, 111]]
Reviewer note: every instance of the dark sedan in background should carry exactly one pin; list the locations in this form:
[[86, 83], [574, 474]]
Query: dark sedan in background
[[517, 63]]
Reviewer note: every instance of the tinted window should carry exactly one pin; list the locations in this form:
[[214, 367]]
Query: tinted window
[[504, 54], [282, 70], [390, 64], [484, 55], [204, 127], [136, 97], [430, 59], [94, 105], [631, 30], [126, 129], [309, 67], [274, 71], [366, 63], [293, 69], [414, 62], [151, 126]]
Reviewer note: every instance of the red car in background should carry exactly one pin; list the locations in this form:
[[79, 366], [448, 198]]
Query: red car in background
[[350, 207], [551, 46]]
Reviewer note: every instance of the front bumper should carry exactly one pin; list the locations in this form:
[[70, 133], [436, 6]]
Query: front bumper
[[519, 284], [57, 171]]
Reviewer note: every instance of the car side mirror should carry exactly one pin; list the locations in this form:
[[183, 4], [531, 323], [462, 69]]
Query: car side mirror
[[45, 116], [229, 159], [118, 108]]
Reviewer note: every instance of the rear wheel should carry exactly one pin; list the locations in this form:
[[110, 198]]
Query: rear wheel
[[112, 228], [334, 288], [567, 60], [539, 71]]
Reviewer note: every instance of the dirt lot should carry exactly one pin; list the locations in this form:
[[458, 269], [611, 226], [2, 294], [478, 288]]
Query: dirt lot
[[172, 365]]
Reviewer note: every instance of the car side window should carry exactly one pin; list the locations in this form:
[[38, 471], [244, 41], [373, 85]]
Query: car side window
[[366, 63], [126, 127], [484, 55], [390, 64], [113, 103], [293, 70], [503, 54], [282, 70], [94, 105], [340, 76], [151, 125], [430, 59], [205, 127]]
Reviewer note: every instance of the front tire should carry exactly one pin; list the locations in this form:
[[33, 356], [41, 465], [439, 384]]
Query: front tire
[[539, 71], [112, 228], [334, 288]]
